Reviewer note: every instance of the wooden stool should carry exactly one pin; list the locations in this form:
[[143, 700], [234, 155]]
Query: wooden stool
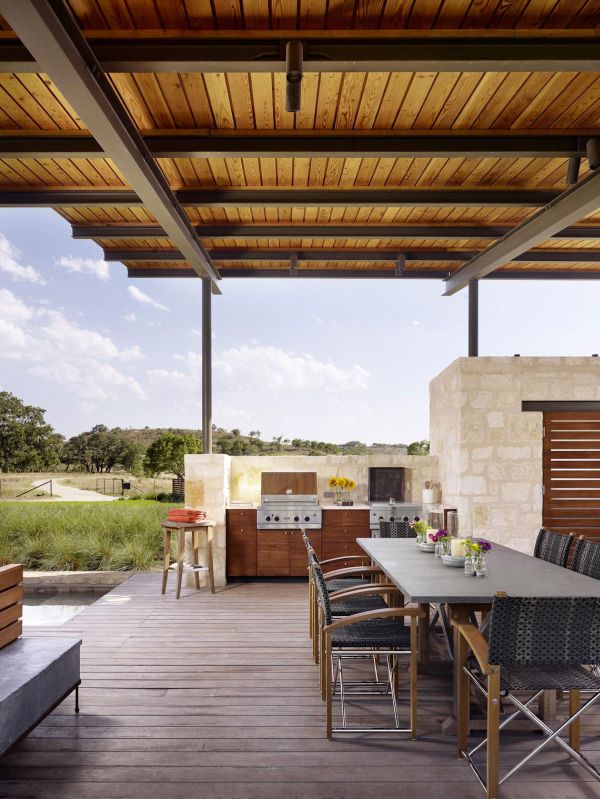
[[182, 528]]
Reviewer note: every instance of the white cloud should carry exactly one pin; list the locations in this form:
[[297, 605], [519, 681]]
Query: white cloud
[[129, 317], [264, 367], [9, 263], [146, 299], [275, 369], [80, 360], [83, 266]]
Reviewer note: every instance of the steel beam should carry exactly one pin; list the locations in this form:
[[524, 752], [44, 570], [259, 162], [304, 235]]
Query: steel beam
[[50, 34], [333, 51], [206, 367], [366, 274], [286, 198], [311, 144], [323, 231], [571, 206], [348, 254], [473, 319]]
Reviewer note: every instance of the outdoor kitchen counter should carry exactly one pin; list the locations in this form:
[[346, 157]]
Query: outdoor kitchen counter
[[356, 506]]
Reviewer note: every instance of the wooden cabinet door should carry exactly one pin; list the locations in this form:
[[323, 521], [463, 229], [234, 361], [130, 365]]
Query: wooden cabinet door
[[241, 543], [241, 552], [341, 528], [298, 554], [273, 553]]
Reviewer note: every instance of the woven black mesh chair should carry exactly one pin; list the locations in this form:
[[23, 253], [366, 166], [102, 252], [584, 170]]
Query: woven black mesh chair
[[396, 530], [535, 644], [586, 557], [553, 547], [379, 632], [336, 580]]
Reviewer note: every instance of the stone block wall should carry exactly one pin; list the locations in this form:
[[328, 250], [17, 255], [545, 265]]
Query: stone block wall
[[490, 451]]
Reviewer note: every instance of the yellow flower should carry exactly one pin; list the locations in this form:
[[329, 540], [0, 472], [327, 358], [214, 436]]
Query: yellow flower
[[342, 482], [351, 485], [333, 482]]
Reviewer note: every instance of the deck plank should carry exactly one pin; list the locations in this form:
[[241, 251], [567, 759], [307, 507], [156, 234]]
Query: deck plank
[[218, 696]]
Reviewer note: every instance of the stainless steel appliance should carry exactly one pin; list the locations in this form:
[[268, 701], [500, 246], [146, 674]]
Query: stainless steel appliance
[[289, 501], [393, 511]]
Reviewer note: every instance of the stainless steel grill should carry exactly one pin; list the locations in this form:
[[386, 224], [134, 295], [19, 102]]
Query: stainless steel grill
[[288, 509], [393, 511]]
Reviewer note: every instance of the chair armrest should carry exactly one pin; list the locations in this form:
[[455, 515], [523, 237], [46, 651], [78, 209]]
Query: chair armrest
[[351, 571], [373, 589], [477, 644], [386, 613], [348, 557]]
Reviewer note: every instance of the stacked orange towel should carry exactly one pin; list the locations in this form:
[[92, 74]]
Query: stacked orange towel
[[186, 515]]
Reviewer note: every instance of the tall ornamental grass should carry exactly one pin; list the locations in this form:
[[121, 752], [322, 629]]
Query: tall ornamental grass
[[74, 536]]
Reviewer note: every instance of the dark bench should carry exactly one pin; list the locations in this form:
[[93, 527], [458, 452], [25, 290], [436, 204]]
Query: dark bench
[[36, 674]]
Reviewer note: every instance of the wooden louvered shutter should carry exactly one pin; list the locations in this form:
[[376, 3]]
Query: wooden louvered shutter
[[572, 472]]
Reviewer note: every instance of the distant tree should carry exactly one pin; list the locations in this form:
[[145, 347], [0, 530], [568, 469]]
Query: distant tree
[[100, 450], [418, 448], [27, 442], [166, 453], [236, 432]]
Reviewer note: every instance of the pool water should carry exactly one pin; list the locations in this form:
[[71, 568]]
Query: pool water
[[52, 610]]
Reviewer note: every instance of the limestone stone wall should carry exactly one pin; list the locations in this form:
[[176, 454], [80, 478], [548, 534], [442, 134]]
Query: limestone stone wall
[[212, 481], [490, 451]]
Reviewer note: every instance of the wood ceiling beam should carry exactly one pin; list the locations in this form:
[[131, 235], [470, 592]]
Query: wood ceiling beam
[[323, 231], [51, 35], [365, 274], [332, 51], [313, 144], [246, 254], [286, 198], [571, 206]]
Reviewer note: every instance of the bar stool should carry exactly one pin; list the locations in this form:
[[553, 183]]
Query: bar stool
[[181, 528]]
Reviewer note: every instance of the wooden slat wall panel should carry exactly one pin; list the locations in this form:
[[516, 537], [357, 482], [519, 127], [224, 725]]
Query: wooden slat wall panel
[[571, 462]]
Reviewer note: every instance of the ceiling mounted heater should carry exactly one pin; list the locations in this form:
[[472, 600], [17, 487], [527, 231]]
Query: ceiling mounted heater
[[293, 77]]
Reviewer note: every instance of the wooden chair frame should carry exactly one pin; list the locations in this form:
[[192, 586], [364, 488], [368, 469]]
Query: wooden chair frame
[[470, 639], [329, 652]]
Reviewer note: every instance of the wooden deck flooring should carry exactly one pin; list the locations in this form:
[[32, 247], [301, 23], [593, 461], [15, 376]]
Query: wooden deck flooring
[[217, 696]]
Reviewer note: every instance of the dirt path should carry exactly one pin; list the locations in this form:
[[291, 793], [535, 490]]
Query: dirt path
[[72, 494]]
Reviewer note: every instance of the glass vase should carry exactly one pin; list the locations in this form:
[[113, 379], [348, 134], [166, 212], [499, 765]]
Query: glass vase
[[469, 566], [480, 566]]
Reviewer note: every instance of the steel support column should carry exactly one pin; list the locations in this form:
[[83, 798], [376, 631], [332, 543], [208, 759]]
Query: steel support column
[[473, 318], [206, 366]]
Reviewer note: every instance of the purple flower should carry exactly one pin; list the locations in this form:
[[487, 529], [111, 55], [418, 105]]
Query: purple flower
[[485, 545], [442, 534]]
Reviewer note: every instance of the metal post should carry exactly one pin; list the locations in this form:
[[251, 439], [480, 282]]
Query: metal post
[[473, 318], [206, 366]]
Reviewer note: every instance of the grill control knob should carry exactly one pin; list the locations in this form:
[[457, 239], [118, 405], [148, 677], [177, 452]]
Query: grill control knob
[[277, 518], [267, 518], [307, 518], [296, 518], [406, 518], [392, 518]]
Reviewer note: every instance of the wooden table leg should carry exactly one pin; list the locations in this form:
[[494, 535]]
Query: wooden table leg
[[424, 644], [180, 553], [547, 706], [196, 550], [166, 558], [209, 556]]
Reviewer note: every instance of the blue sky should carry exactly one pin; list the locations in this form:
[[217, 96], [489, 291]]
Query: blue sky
[[328, 360]]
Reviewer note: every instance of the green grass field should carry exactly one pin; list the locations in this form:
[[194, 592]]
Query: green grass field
[[75, 536]]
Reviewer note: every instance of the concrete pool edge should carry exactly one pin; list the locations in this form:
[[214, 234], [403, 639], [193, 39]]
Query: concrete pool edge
[[73, 581]]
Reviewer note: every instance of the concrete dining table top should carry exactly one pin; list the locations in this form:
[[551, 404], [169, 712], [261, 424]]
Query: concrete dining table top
[[423, 578]]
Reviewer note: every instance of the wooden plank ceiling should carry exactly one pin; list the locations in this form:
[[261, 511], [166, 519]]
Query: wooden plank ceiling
[[429, 103]]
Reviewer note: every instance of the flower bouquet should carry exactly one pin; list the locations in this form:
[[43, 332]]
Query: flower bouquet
[[342, 486], [422, 529], [440, 539], [476, 550]]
